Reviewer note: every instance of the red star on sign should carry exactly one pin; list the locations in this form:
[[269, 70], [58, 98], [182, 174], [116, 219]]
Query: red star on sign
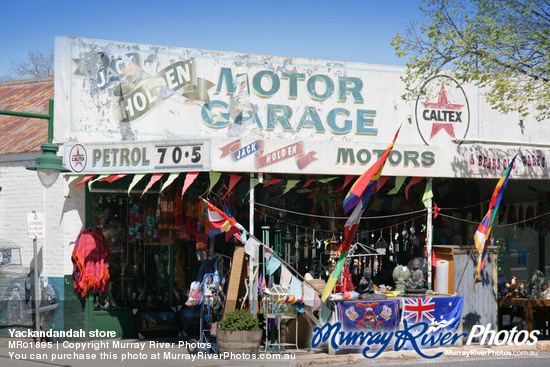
[[78, 155], [442, 104]]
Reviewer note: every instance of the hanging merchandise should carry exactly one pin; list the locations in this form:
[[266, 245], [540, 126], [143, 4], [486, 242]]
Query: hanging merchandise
[[390, 246], [381, 245], [90, 260]]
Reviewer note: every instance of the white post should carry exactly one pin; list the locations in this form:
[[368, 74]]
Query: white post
[[252, 264], [429, 237]]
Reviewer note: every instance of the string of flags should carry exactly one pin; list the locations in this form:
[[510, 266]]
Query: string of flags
[[214, 178]]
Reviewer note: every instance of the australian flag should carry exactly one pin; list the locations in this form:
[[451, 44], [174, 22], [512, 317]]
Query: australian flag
[[442, 314]]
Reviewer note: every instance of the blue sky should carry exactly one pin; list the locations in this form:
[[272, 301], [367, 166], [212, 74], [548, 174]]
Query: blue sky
[[345, 30]]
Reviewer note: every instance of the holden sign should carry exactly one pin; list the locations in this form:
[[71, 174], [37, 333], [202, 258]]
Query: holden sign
[[442, 111]]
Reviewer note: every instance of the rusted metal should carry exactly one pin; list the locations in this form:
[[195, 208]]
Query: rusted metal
[[23, 134]]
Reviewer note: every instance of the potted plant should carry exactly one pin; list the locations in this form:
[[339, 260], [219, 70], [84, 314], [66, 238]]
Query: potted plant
[[239, 332]]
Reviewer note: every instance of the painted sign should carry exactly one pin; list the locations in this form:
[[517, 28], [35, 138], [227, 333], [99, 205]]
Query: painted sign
[[160, 156], [272, 114]]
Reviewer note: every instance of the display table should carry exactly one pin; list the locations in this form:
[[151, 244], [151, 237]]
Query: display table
[[387, 315], [529, 305]]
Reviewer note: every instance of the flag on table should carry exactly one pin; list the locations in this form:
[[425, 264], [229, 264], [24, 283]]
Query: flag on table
[[219, 222], [359, 193], [442, 314], [364, 187], [484, 229]]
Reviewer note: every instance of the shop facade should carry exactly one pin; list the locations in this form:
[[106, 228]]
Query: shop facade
[[148, 130]]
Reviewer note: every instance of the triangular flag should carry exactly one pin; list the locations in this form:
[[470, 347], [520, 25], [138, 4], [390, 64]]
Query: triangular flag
[[316, 302], [436, 210], [233, 179], [381, 183], [327, 180], [347, 180], [214, 178], [267, 252], [414, 180], [286, 276], [135, 180], [154, 178], [399, 181], [100, 177], [296, 288], [273, 265], [428, 194], [113, 178], [70, 179], [189, 178], [169, 180], [310, 181], [254, 181], [308, 295], [273, 181], [289, 185], [251, 248], [86, 179]]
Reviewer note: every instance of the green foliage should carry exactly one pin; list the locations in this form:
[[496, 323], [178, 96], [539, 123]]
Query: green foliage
[[239, 320], [499, 45]]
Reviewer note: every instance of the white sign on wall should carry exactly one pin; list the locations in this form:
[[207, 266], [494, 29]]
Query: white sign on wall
[[35, 223]]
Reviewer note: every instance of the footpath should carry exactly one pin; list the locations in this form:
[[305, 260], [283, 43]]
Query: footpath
[[137, 353]]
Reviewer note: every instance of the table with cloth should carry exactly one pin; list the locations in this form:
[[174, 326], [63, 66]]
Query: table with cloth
[[442, 314]]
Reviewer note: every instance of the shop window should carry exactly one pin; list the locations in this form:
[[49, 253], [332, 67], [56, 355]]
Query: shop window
[[156, 248]]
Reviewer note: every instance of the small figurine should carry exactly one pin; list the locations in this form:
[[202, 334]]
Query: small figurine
[[366, 287], [415, 286], [534, 287], [400, 275]]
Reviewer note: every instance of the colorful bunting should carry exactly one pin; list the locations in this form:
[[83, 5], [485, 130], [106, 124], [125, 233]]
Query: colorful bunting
[[484, 230]]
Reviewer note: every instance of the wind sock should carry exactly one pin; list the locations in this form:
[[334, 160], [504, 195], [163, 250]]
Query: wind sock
[[363, 188], [356, 199], [484, 230], [219, 222]]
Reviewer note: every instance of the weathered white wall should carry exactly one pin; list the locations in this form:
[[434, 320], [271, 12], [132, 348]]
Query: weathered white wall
[[22, 193]]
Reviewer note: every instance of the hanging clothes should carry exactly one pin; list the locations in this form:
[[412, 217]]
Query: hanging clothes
[[90, 262]]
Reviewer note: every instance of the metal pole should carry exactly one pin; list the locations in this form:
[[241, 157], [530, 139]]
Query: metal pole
[[36, 287], [252, 275], [429, 238]]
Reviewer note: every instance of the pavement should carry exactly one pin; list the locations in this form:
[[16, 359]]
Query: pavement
[[167, 352]]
